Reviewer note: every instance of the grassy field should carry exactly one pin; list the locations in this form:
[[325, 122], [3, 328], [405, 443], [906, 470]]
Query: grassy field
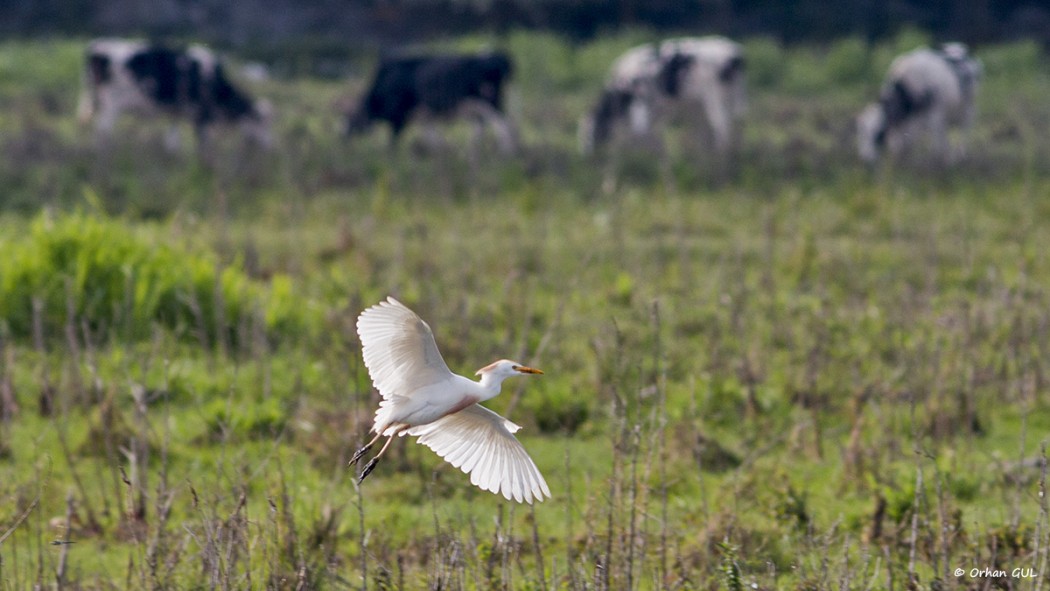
[[787, 373]]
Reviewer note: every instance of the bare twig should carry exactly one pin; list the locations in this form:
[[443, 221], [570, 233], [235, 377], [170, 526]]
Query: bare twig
[[541, 578], [60, 572], [21, 518], [1043, 524], [221, 328], [913, 541]]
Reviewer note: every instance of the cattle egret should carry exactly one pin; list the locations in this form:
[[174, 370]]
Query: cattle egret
[[423, 398]]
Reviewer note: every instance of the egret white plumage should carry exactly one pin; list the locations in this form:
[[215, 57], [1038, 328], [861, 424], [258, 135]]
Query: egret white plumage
[[423, 398]]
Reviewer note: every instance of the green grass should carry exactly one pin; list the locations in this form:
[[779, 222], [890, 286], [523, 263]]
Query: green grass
[[790, 375]]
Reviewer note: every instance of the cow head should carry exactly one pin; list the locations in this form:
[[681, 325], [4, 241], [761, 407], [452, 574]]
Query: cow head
[[871, 132], [495, 69], [258, 125], [497, 66], [358, 121], [596, 129]]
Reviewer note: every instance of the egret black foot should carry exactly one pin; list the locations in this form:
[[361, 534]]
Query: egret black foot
[[359, 453], [368, 469]]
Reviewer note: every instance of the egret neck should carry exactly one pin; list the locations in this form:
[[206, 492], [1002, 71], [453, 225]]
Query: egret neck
[[490, 384]]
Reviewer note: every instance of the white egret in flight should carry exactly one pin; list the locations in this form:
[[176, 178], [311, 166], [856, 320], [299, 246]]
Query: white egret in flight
[[423, 398]]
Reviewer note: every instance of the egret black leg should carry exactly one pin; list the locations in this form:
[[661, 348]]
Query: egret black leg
[[372, 463], [363, 451], [368, 469], [359, 453]]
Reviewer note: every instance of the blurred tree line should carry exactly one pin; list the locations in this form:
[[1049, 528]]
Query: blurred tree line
[[387, 23]]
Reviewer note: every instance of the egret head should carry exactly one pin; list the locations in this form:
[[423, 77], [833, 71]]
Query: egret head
[[505, 368]]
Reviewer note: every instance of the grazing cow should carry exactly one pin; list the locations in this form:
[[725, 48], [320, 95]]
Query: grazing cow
[[705, 73], [437, 87], [926, 90], [133, 76]]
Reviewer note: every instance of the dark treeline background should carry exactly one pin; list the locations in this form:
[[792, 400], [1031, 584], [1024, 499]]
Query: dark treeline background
[[387, 22], [297, 34]]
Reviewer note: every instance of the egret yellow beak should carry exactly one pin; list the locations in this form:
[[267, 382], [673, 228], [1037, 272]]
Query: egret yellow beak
[[524, 369]]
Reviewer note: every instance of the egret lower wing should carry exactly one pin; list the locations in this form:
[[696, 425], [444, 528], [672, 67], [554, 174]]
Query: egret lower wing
[[482, 444]]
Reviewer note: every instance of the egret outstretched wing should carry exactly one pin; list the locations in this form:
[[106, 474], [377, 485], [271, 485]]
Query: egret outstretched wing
[[482, 444], [399, 350], [422, 397]]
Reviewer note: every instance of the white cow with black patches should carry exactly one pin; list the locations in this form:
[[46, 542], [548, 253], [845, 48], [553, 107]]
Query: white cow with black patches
[[129, 76], [927, 93], [650, 81]]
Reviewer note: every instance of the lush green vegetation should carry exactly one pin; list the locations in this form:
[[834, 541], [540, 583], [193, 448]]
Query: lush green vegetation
[[786, 373]]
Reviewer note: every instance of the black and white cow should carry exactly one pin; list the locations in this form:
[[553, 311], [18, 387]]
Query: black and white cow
[[430, 88], [646, 82], [926, 92], [127, 76]]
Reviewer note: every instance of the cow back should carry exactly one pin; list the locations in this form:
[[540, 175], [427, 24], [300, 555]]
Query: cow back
[[443, 82], [166, 76]]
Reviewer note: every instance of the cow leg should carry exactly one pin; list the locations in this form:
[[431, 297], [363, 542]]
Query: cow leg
[[719, 120], [205, 146], [173, 139], [643, 128], [937, 127], [938, 138], [472, 110], [432, 140], [960, 147], [105, 122], [898, 139], [393, 141], [640, 118], [719, 114], [86, 104], [503, 130], [630, 136], [646, 131], [963, 125]]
